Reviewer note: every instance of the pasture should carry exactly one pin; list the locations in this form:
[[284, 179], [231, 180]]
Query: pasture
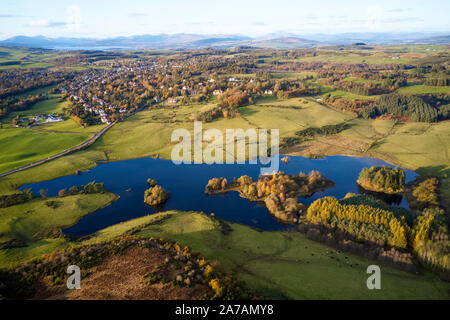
[[22, 146], [422, 89]]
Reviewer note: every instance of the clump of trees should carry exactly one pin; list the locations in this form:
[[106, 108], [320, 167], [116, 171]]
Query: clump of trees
[[155, 195], [216, 185], [441, 82], [216, 113], [15, 198], [283, 185], [426, 193], [325, 130], [364, 222], [227, 107], [351, 106], [370, 200], [286, 89], [364, 225], [287, 210], [382, 179], [91, 187], [430, 239], [12, 104], [401, 105], [232, 99], [279, 191]]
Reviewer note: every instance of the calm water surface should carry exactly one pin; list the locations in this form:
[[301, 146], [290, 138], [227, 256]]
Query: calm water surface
[[186, 183]]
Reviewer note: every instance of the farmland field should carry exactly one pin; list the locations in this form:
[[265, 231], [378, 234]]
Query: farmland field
[[23, 146], [421, 89]]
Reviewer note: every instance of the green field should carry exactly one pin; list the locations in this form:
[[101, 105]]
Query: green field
[[41, 90], [22, 58], [39, 226], [350, 96], [70, 126], [34, 220], [22, 146], [356, 57], [51, 105], [360, 80], [422, 89]]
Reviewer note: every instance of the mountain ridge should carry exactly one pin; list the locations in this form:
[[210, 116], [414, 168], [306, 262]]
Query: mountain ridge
[[187, 40]]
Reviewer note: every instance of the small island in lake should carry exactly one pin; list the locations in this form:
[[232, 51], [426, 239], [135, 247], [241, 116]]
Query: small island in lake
[[382, 179], [279, 191], [155, 195]]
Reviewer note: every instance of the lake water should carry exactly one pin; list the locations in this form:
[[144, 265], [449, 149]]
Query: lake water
[[186, 183]]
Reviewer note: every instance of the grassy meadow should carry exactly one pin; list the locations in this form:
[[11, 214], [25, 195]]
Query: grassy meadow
[[422, 89], [22, 146], [70, 125], [34, 220]]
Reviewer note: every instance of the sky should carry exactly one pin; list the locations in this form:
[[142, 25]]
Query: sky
[[109, 18]]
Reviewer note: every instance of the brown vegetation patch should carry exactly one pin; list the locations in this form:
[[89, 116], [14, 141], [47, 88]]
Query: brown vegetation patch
[[331, 145], [121, 277], [393, 117]]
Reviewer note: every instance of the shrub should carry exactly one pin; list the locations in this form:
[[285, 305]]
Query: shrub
[[151, 182], [15, 198], [426, 193]]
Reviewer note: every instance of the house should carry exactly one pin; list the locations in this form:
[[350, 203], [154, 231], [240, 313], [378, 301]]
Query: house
[[217, 92], [172, 100], [53, 118], [104, 119], [268, 92]]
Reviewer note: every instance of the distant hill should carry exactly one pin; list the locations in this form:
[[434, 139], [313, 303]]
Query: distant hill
[[381, 38], [185, 40], [162, 41], [284, 43], [434, 40]]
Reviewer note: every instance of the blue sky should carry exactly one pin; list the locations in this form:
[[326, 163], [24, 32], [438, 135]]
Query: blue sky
[[103, 18]]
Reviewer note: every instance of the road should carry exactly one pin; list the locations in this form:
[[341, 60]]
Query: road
[[82, 145]]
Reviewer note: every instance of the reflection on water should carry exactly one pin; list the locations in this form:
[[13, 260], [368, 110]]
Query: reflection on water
[[186, 183], [391, 199]]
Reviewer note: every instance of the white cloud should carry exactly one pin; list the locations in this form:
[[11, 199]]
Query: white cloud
[[40, 23], [46, 23]]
